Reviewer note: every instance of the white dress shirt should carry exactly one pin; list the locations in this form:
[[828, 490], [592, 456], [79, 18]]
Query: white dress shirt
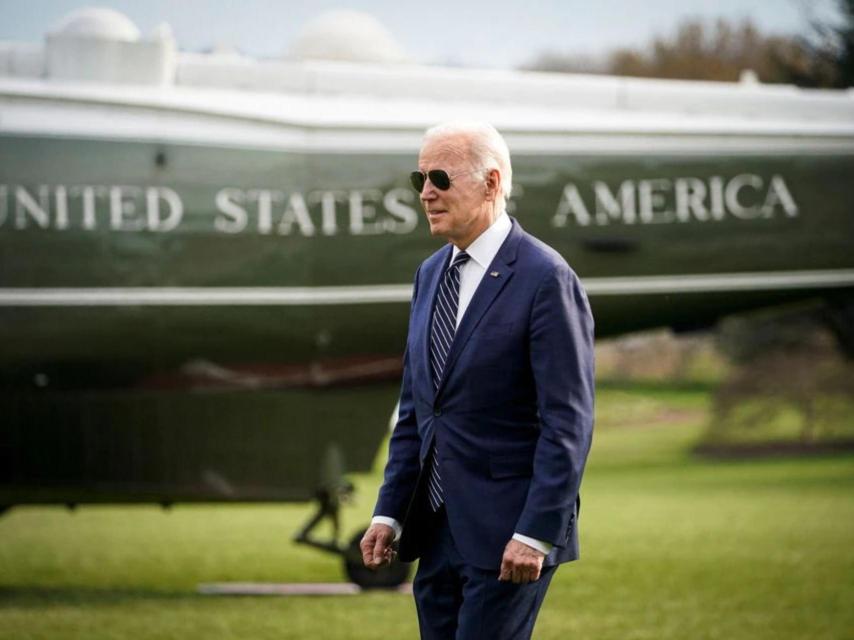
[[481, 252]]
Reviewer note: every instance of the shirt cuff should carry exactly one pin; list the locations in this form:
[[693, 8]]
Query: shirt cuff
[[543, 547], [391, 522]]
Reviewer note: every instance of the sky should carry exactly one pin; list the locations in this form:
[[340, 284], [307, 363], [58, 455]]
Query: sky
[[477, 33]]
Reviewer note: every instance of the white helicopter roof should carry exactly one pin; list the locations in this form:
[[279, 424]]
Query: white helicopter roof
[[344, 34], [338, 82], [99, 23]]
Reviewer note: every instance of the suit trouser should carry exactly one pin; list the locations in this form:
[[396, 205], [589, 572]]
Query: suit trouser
[[458, 601]]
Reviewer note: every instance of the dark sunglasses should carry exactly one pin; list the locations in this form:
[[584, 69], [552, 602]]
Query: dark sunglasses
[[439, 177]]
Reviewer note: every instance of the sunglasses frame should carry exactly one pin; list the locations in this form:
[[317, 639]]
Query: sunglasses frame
[[423, 176]]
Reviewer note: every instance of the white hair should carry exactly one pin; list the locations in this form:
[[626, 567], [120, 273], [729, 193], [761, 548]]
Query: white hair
[[487, 148]]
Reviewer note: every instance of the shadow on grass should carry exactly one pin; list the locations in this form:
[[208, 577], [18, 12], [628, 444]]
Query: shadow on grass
[[37, 597], [781, 449], [656, 386]]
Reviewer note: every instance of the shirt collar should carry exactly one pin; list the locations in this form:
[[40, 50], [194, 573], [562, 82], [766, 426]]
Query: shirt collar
[[487, 244]]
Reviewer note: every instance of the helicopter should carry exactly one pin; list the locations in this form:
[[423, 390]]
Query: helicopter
[[206, 259]]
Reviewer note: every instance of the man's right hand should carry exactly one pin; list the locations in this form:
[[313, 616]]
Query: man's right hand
[[376, 546]]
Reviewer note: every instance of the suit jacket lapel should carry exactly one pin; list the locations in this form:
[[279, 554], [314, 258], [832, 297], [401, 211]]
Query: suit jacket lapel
[[488, 289]]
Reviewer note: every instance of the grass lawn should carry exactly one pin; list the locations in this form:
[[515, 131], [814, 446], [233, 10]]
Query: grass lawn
[[673, 547]]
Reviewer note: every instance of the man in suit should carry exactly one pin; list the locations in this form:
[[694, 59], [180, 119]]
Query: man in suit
[[496, 405]]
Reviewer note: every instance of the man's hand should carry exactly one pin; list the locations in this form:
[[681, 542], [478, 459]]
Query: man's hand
[[521, 564], [376, 546]]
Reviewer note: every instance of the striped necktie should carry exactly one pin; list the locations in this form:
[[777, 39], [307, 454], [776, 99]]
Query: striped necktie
[[441, 338]]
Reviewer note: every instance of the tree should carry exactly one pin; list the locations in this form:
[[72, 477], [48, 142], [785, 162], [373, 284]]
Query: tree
[[785, 366], [722, 50], [829, 52]]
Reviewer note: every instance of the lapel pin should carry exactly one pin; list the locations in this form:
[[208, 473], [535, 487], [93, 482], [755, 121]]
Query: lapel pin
[[494, 274]]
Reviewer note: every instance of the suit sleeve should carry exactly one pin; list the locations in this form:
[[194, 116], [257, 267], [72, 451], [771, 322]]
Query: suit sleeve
[[561, 352], [401, 470]]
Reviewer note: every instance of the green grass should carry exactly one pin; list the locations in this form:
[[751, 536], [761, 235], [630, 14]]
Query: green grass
[[673, 547]]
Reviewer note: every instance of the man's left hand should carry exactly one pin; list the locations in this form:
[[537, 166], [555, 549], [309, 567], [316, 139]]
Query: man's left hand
[[521, 564]]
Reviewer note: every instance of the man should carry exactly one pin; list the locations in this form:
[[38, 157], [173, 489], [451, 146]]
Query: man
[[496, 405]]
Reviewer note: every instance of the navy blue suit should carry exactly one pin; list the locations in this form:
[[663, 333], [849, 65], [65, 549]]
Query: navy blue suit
[[512, 418]]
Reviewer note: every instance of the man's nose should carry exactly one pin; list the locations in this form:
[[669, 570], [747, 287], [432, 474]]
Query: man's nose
[[429, 191]]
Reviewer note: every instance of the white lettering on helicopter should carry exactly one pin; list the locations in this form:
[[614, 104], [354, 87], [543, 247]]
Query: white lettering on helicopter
[[370, 212], [664, 200], [358, 212], [118, 207]]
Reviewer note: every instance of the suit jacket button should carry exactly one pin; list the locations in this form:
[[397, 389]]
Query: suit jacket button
[[437, 412]]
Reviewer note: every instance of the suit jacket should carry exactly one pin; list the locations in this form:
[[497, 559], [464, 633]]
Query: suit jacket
[[512, 419]]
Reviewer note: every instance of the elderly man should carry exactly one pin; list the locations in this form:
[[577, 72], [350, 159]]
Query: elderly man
[[496, 405]]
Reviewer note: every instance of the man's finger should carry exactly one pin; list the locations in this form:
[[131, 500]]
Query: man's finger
[[523, 573], [367, 547], [512, 570], [533, 571], [504, 574], [380, 550]]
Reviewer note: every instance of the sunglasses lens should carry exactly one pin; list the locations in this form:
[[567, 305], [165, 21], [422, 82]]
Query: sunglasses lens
[[440, 179], [417, 179]]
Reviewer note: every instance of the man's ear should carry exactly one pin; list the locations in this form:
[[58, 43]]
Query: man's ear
[[493, 184]]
